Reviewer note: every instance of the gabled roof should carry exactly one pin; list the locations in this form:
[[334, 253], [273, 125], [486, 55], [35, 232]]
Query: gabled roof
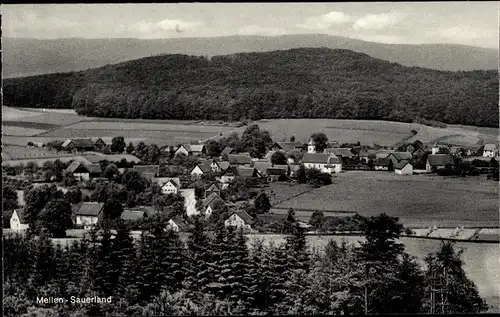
[[79, 143], [440, 159], [227, 150], [90, 209], [401, 164], [132, 215], [94, 168], [213, 187], [383, 153], [223, 165], [320, 158], [21, 215], [73, 166], [262, 166], [339, 151], [161, 181], [116, 158], [402, 155], [287, 146], [143, 169], [270, 154], [211, 199], [246, 171], [148, 176], [204, 165], [75, 208], [243, 215], [271, 217], [148, 211], [238, 159], [490, 147], [196, 147]]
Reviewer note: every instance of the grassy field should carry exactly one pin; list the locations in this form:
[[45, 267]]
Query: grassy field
[[279, 192], [20, 131], [418, 200]]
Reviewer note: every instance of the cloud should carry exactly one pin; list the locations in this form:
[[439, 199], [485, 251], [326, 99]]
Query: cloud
[[258, 30], [326, 21], [377, 21], [159, 28]]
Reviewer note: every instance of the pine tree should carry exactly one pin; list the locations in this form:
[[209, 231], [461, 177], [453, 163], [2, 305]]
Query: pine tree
[[123, 254], [278, 273], [296, 247], [256, 279], [217, 248], [106, 265], [244, 281], [199, 257]]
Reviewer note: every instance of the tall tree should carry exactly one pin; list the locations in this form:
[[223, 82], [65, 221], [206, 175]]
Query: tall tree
[[320, 141], [56, 218], [212, 148], [278, 158], [262, 204], [118, 144]]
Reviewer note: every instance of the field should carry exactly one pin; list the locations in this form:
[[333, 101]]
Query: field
[[418, 200], [279, 192]]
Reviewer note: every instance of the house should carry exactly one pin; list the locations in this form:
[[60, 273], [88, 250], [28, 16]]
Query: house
[[326, 163], [177, 224], [172, 170], [189, 201], [277, 172], [403, 168], [490, 150], [383, 153], [340, 152], [168, 185], [132, 215], [88, 214], [286, 146], [239, 159], [438, 161], [243, 171], [83, 172], [201, 168], [219, 166], [18, 220], [213, 188], [99, 144], [209, 203], [262, 167], [148, 171], [239, 219], [190, 149], [418, 153], [382, 164], [240, 171], [396, 157], [363, 154], [78, 145], [227, 150]]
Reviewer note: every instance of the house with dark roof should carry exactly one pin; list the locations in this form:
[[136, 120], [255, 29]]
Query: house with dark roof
[[99, 144], [239, 219], [219, 166], [201, 168], [83, 172], [278, 172], [396, 157], [226, 151], [438, 161], [326, 163], [177, 224], [287, 146], [403, 168], [168, 185], [340, 152], [262, 167], [78, 145], [239, 159], [88, 214], [213, 188], [209, 203], [190, 149], [148, 171], [18, 220], [381, 164], [133, 215]]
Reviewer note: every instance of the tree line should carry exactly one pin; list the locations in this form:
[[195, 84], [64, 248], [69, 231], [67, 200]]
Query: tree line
[[297, 83], [219, 273]]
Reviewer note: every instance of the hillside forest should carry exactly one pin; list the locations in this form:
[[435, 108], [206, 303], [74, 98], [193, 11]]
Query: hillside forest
[[296, 83]]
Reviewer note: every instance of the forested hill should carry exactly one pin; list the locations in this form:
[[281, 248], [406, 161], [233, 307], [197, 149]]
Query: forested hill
[[296, 83]]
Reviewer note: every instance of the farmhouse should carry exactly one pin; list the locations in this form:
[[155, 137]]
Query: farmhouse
[[213, 188], [201, 168], [148, 171], [83, 172], [262, 167], [177, 224], [382, 164], [210, 202], [278, 172], [18, 220], [226, 151], [340, 152], [132, 215], [239, 219], [115, 158], [78, 145], [438, 161], [490, 150], [99, 144], [88, 214], [403, 168], [383, 153], [190, 149], [168, 185], [287, 146], [239, 159], [396, 157], [418, 153], [326, 163], [219, 166]]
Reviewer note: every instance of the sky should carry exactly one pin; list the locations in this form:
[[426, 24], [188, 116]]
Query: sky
[[467, 23]]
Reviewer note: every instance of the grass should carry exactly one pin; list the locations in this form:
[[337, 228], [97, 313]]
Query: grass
[[20, 131], [24, 152], [279, 192], [418, 200], [32, 125]]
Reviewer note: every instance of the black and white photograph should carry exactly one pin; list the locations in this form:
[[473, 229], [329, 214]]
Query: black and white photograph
[[240, 159]]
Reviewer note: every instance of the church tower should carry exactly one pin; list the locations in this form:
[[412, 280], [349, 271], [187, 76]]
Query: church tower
[[311, 146]]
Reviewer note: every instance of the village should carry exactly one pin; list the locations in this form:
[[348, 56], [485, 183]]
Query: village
[[223, 183]]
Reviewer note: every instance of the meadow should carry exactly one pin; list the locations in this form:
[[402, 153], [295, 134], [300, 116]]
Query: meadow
[[418, 200]]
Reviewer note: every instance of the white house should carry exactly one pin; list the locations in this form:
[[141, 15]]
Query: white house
[[239, 219], [18, 220], [177, 224], [490, 150], [201, 168], [168, 185], [403, 168], [88, 214], [326, 163], [83, 172], [219, 166], [190, 149]]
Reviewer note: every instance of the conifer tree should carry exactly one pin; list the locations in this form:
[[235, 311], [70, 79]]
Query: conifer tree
[[123, 254], [296, 247], [198, 275], [106, 265], [217, 249]]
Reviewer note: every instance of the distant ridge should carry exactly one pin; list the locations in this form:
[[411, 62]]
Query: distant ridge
[[25, 57]]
